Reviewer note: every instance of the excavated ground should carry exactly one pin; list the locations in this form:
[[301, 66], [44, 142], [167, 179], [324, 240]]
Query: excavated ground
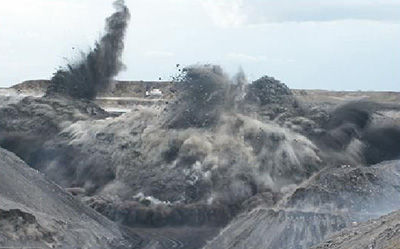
[[263, 173]]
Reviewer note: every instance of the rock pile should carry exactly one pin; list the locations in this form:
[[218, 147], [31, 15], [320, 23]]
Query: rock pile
[[268, 90]]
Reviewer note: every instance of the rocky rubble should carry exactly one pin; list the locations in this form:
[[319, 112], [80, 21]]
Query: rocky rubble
[[16, 225], [268, 90]]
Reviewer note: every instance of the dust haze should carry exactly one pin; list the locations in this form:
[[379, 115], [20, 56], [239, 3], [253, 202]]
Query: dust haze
[[207, 158]]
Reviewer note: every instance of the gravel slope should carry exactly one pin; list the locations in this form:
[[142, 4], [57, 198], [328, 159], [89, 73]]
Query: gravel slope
[[382, 233], [36, 212], [333, 199]]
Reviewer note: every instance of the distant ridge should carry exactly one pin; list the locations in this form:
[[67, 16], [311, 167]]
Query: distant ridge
[[138, 88]]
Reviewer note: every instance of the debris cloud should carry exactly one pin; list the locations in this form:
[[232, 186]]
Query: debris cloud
[[93, 74]]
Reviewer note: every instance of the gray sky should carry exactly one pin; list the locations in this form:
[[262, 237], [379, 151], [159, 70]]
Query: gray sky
[[325, 44]]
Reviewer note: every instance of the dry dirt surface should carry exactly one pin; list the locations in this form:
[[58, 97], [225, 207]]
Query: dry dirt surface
[[333, 199], [137, 89], [382, 233], [37, 213]]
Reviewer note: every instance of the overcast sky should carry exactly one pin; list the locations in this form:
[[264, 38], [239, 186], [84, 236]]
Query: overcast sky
[[325, 44]]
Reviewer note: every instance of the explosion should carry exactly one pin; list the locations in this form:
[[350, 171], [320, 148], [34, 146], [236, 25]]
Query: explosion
[[222, 153], [93, 74]]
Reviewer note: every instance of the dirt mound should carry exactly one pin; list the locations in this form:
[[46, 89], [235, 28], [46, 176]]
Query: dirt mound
[[32, 87], [382, 233], [268, 90], [26, 125], [35, 212], [328, 202]]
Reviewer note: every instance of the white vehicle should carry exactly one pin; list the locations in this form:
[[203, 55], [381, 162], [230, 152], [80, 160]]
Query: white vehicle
[[154, 92]]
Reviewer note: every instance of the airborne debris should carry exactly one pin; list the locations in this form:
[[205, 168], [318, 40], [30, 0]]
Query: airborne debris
[[206, 152], [86, 78]]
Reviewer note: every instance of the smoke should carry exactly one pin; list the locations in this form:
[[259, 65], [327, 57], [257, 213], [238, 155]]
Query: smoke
[[347, 122], [223, 145], [381, 144], [203, 150], [86, 78], [220, 143], [204, 95], [353, 137], [27, 126]]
